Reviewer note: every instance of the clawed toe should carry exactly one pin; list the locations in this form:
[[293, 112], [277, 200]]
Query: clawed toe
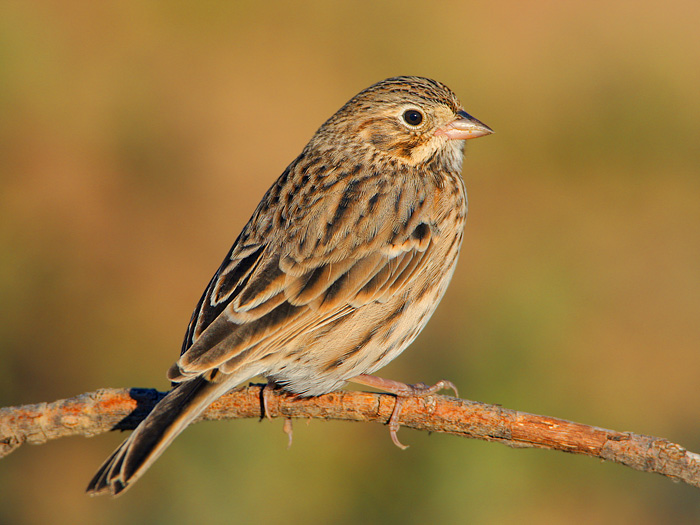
[[266, 394], [288, 429], [402, 391], [394, 424], [421, 389]]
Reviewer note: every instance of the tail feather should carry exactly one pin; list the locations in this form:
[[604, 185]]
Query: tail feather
[[169, 417]]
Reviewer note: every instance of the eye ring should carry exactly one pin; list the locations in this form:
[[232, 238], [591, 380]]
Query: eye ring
[[413, 117]]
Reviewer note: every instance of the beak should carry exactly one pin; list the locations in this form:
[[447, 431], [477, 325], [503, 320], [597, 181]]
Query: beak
[[463, 128]]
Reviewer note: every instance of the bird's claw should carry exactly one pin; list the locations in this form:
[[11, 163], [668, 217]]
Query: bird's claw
[[421, 389], [289, 430], [266, 394], [402, 391]]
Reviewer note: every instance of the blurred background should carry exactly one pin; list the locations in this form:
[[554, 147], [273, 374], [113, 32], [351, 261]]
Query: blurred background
[[136, 138]]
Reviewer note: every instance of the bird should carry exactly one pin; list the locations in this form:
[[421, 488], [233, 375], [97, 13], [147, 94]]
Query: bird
[[338, 270]]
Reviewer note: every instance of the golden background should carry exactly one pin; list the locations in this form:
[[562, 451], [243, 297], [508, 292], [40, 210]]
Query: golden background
[[136, 139]]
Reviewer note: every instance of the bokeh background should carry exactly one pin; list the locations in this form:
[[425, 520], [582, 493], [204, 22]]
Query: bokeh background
[[137, 137]]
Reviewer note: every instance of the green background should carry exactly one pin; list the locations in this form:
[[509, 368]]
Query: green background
[[136, 139]]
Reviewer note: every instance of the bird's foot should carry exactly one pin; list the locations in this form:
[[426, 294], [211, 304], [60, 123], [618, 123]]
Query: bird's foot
[[401, 391]]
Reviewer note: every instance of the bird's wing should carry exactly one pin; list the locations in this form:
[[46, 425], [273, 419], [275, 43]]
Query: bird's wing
[[329, 258]]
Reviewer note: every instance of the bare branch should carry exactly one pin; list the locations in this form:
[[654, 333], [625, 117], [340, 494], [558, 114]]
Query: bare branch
[[122, 409]]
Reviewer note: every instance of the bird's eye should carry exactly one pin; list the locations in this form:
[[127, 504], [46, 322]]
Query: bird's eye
[[413, 117]]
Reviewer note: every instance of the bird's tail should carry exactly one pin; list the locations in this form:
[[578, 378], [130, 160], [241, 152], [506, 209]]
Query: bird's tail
[[169, 417]]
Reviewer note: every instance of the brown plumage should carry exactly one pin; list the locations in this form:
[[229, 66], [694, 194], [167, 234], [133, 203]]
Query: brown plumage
[[340, 267]]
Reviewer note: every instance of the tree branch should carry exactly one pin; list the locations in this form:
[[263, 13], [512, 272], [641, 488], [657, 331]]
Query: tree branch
[[122, 409]]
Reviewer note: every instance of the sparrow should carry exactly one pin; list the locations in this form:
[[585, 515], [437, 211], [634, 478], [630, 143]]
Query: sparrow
[[340, 267]]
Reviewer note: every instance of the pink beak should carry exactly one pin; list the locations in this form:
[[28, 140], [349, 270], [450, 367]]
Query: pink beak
[[463, 128]]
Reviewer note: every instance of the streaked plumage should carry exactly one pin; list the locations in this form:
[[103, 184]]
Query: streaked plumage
[[340, 267]]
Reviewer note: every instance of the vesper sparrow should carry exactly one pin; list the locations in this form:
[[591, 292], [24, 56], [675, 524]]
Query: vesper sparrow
[[338, 270]]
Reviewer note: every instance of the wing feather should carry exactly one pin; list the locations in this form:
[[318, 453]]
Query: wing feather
[[270, 290]]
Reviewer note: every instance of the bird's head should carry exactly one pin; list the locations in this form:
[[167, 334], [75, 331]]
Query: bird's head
[[409, 118]]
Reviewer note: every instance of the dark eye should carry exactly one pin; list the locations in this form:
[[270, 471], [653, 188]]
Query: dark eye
[[413, 117]]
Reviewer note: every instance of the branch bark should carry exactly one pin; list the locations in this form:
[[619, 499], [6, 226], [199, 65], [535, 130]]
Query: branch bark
[[122, 409]]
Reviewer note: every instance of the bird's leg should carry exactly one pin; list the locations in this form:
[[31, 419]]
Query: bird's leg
[[266, 394], [401, 391]]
